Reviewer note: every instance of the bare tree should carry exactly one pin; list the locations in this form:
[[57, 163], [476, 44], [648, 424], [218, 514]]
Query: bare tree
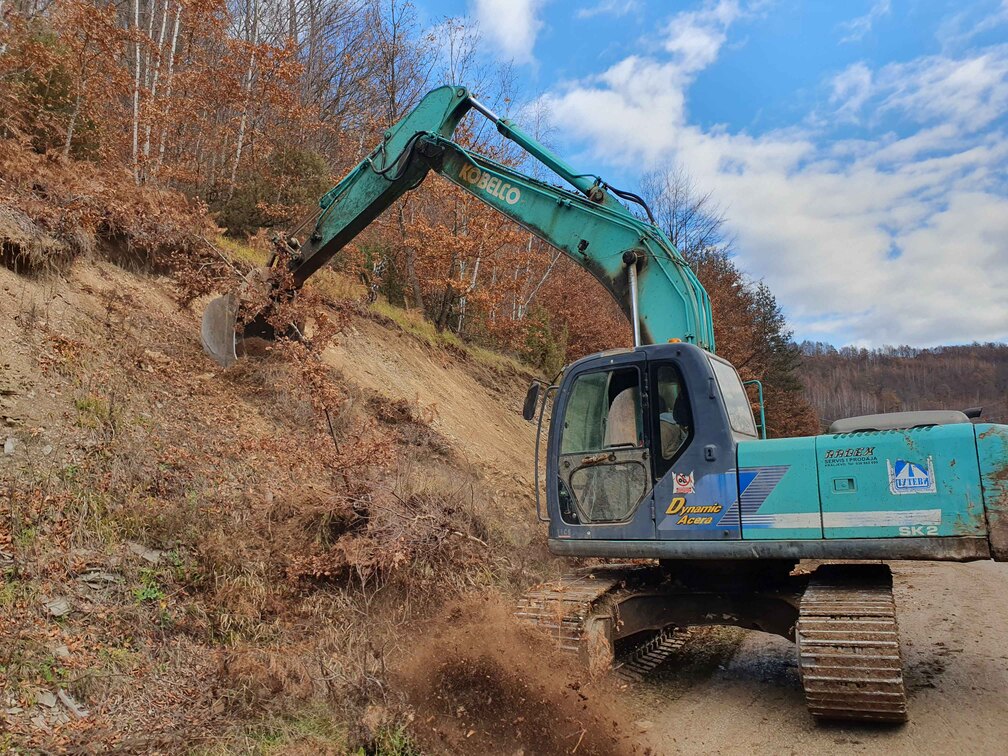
[[693, 221]]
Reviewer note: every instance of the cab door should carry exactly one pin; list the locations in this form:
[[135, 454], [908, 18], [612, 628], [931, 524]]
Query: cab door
[[601, 476], [696, 488]]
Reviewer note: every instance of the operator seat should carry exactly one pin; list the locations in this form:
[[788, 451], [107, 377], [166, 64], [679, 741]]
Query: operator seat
[[675, 426], [621, 422], [609, 491]]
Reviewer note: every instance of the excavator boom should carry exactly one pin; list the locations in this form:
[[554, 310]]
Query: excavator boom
[[630, 257]]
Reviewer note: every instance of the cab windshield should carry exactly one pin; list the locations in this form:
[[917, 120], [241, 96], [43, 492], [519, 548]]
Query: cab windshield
[[735, 398]]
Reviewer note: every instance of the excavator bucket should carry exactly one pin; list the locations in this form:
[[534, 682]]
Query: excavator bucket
[[218, 332], [226, 339]]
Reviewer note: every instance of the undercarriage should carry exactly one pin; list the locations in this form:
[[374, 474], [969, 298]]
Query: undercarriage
[[842, 618]]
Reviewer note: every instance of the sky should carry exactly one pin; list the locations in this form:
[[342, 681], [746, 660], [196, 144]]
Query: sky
[[859, 149]]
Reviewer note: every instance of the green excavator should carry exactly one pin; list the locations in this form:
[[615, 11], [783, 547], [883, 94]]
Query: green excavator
[[653, 453]]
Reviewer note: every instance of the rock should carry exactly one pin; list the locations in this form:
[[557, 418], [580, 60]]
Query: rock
[[72, 706], [58, 607], [47, 450], [9, 445], [150, 555], [61, 652], [47, 699], [99, 579]]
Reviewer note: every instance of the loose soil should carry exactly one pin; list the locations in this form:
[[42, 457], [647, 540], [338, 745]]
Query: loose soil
[[481, 682]]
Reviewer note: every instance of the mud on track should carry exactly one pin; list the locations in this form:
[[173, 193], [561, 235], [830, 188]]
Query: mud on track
[[480, 682]]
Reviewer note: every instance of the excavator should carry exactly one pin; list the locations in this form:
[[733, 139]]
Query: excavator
[[653, 455]]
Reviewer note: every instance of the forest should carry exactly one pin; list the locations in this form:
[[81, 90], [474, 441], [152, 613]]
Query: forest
[[851, 381], [203, 118]]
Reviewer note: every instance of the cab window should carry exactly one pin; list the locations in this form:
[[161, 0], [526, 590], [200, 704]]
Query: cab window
[[673, 416], [603, 412], [735, 398], [604, 474]]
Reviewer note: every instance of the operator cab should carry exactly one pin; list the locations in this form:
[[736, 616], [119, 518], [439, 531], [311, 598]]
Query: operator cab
[[633, 433]]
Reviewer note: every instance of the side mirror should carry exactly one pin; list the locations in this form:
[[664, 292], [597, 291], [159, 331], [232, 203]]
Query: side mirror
[[973, 412], [531, 401]]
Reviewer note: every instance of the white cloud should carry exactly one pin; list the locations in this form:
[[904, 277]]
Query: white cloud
[[851, 88], [960, 28], [695, 37], [617, 8], [970, 92], [645, 91], [857, 28], [512, 25], [894, 238]]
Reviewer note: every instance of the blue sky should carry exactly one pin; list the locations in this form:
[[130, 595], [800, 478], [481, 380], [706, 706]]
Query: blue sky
[[860, 148]]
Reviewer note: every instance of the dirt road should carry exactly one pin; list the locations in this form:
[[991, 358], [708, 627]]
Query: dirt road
[[738, 692]]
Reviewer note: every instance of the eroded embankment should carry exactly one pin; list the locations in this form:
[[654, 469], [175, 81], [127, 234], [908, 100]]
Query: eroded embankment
[[196, 555]]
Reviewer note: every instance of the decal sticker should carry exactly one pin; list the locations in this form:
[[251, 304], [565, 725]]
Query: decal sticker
[[919, 530], [682, 484], [687, 512], [911, 477], [861, 455], [883, 519], [490, 184], [710, 505]]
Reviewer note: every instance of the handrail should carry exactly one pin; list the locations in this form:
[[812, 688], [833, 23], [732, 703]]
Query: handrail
[[762, 413], [542, 413]]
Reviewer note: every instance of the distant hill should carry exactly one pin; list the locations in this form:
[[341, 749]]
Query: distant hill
[[851, 381]]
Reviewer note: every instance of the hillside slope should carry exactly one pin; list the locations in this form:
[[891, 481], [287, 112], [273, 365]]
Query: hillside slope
[[191, 559]]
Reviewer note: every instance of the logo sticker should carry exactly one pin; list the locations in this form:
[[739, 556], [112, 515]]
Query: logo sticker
[[862, 455], [682, 483], [687, 512], [490, 184], [911, 477]]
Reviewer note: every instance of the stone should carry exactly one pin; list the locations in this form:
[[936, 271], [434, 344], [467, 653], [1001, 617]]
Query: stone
[[58, 607], [147, 554], [72, 705]]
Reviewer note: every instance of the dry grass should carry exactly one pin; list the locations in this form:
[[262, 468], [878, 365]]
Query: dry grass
[[293, 551], [53, 210]]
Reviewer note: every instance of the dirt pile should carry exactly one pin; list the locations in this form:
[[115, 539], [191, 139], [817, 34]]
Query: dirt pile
[[481, 682]]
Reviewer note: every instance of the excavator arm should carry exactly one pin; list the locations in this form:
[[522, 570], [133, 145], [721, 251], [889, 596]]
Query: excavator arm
[[631, 258]]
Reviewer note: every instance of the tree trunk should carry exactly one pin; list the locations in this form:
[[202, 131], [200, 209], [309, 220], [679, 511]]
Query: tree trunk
[[136, 91], [248, 98], [168, 89], [411, 274], [73, 119], [153, 88]]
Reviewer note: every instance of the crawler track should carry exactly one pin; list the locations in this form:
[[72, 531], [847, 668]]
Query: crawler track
[[562, 608], [578, 612], [638, 663], [848, 645]]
